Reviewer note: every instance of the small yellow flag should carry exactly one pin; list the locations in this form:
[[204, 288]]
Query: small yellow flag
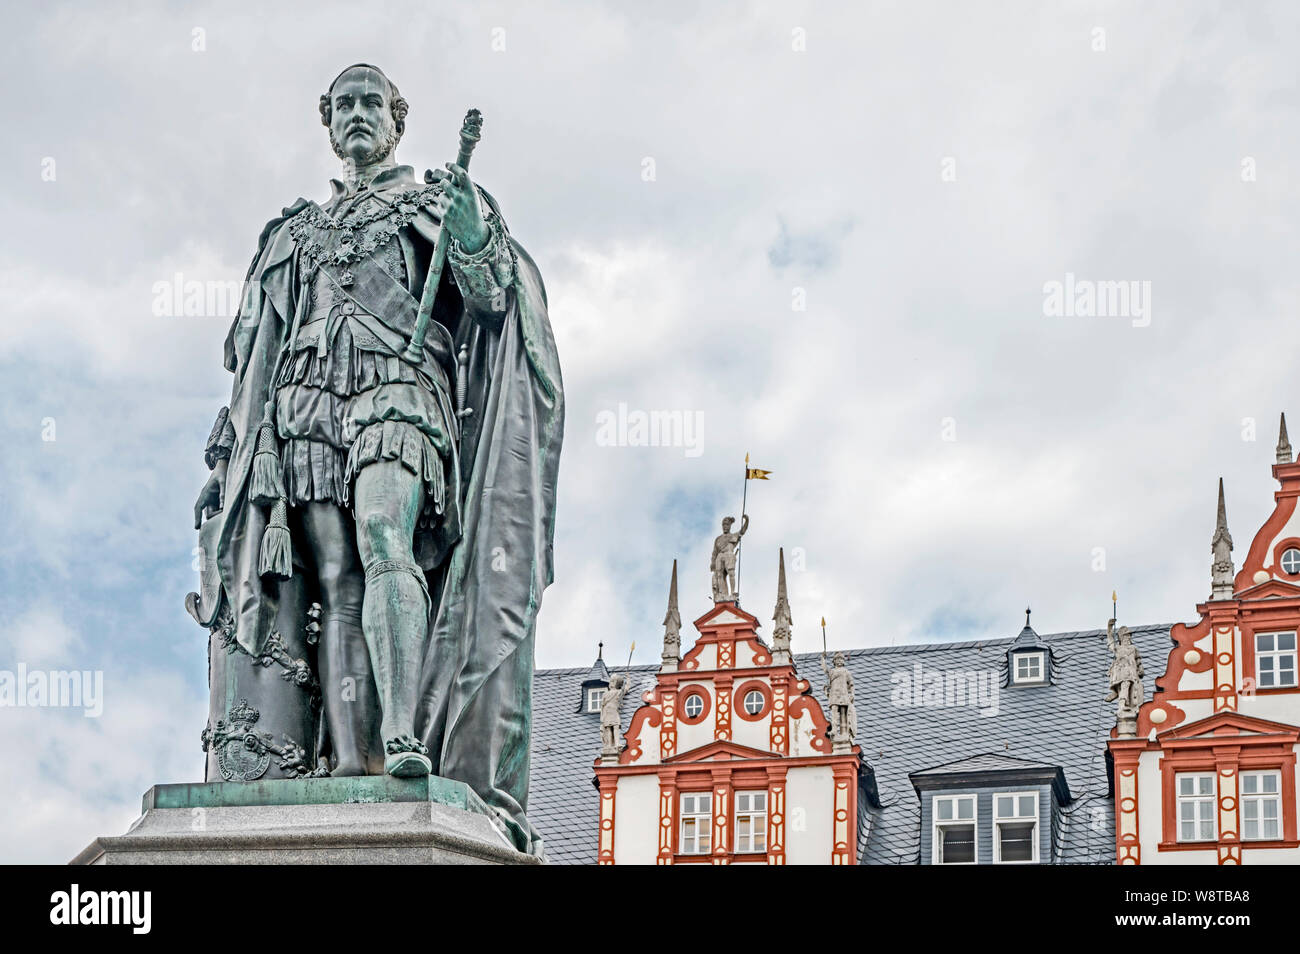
[[753, 473]]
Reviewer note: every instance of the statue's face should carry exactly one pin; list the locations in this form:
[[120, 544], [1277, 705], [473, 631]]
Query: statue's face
[[839, 659], [362, 128], [726, 524]]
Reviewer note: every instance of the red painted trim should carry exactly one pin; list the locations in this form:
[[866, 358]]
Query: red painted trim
[[744, 690], [807, 705], [685, 694], [1128, 845], [1278, 549], [1225, 745], [1289, 477], [743, 776], [646, 715], [608, 787], [1270, 620]]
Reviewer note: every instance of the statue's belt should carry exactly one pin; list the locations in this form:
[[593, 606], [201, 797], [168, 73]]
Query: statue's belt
[[385, 307]]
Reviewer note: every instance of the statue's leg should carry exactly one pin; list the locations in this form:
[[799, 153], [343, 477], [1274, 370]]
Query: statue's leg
[[395, 612], [348, 693]]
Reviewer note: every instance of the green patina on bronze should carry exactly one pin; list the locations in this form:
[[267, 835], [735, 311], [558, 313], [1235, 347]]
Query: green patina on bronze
[[377, 531]]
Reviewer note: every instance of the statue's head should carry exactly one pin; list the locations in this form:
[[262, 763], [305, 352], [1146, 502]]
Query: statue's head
[[726, 524], [617, 681], [1124, 635], [364, 113], [839, 659]]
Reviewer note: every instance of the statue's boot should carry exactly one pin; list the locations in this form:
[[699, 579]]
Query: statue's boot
[[349, 696], [395, 617]]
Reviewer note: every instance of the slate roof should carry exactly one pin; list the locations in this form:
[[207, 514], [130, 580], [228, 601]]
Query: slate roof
[[1064, 724], [984, 762]]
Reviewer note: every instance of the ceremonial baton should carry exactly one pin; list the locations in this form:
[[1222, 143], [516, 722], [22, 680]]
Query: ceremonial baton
[[470, 133]]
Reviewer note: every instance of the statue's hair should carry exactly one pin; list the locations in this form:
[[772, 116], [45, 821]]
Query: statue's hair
[[396, 104]]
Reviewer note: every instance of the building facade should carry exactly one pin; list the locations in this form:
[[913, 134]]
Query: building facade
[[1208, 775]]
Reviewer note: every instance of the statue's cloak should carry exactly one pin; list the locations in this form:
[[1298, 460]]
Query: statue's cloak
[[475, 711]]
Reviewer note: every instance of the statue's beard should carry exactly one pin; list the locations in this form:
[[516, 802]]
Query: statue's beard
[[384, 147]]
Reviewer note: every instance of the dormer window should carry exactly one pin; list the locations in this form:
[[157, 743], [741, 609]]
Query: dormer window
[[595, 696], [1015, 827], [1029, 669], [1028, 658], [954, 830]]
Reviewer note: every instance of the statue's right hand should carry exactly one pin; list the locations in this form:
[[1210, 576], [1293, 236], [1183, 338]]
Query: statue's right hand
[[212, 496]]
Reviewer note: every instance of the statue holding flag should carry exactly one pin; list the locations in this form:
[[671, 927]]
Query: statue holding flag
[[723, 561]]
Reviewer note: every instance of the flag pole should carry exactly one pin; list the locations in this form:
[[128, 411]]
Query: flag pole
[[744, 501]]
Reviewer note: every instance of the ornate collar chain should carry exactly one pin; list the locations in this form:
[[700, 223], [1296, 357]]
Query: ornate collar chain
[[350, 238]]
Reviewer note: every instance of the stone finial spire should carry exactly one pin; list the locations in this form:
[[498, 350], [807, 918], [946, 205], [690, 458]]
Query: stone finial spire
[[1283, 444], [781, 634], [1221, 584], [672, 653]]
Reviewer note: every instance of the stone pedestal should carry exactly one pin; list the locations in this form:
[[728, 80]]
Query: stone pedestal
[[368, 820]]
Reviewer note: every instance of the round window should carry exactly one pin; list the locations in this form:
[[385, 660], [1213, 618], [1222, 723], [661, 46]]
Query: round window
[[1291, 561], [694, 706], [754, 702]]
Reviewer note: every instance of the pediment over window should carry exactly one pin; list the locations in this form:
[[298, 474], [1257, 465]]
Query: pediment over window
[[1228, 724], [719, 751], [1272, 589]]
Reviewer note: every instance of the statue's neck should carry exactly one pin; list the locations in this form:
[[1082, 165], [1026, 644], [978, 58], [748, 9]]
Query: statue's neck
[[358, 176]]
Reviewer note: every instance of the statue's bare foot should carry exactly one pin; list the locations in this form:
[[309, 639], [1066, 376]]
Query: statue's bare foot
[[343, 770]]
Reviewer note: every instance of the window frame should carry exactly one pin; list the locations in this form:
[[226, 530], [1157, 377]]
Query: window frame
[[704, 836], [1038, 655], [936, 825], [1212, 799], [1281, 561], [752, 814], [1275, 654], [1017, 819], [1260, 797], [595, 696]]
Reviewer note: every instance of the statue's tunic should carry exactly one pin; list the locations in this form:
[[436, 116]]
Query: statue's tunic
[[344, 397]]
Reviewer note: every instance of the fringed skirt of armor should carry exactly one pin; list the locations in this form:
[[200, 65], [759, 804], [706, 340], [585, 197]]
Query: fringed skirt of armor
[[338, 410]]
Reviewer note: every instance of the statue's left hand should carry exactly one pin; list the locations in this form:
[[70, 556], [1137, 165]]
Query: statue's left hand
[[459, 207]]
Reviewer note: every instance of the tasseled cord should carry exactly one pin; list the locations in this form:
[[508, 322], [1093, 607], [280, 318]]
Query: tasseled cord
[[277, 549], [267, 490], [268, 476]]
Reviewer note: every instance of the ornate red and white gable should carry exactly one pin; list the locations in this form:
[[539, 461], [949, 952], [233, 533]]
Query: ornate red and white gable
[[728, 761], [1211, 776]]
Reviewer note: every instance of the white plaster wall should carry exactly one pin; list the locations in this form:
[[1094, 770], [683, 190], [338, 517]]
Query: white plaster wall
[[648, 739], [693, 736], [1150, 814], [636, 820], [802, 730], [1292, 529], [707, 659], [1276, 707], [810, 805], [757, 735]]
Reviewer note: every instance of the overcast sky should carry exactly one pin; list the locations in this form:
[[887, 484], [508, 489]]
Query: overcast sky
[[826, 232]]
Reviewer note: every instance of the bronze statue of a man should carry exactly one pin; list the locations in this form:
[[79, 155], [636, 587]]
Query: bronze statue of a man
[[421, 513]]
